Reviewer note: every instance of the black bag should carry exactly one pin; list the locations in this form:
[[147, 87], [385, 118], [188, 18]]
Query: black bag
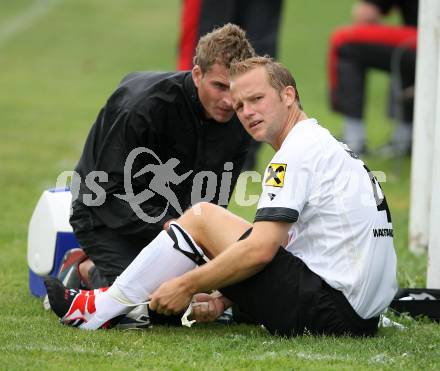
[[419, 302]]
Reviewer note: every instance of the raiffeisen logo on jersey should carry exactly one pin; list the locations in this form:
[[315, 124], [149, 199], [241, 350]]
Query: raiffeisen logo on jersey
[[275, 175]]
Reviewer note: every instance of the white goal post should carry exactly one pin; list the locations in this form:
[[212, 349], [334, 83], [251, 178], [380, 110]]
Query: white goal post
[[424, 228]]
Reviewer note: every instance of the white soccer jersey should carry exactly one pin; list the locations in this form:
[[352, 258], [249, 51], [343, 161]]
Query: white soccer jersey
[[341, 223]]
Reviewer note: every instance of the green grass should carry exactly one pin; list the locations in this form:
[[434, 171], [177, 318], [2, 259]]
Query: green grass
[[55, 75]]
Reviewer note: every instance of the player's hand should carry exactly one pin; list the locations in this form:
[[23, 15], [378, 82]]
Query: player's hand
[[211, 311], [171, 297]]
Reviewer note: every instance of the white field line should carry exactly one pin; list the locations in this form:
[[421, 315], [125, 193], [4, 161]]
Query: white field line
[[18, 348], [309, 356], [374, 359], [26, 19]]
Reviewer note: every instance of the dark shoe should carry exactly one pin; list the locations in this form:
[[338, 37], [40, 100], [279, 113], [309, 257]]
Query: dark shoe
[[69, 271], [62, 302], [137, 319], [226, 318]]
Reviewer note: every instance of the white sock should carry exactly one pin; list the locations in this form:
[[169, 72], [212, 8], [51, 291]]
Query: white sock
[[354, 133], [158, 262], [107, 307]]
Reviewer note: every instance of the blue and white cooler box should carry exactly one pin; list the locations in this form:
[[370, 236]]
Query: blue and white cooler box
[[50, 236]]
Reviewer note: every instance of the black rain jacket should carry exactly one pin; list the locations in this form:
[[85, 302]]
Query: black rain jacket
[[161, 112]]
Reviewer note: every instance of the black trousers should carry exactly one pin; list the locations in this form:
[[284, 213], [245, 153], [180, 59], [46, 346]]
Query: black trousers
[[356, 50], [111, 252]]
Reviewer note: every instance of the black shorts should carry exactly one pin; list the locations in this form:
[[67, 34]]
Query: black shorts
[[289, 299]]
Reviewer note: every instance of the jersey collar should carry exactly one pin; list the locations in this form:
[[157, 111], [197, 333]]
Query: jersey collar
[[298, 127]]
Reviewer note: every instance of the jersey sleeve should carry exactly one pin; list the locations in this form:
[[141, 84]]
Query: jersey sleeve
[[286, 186]]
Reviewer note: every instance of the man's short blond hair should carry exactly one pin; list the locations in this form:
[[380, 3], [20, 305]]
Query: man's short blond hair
[[278, 75], [222, 46]]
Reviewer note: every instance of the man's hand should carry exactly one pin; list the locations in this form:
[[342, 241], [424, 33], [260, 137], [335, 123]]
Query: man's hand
[[171, 297], [215, 306]]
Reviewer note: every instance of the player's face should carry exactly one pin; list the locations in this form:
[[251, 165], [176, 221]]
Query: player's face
[[213, 91], [262, 110]]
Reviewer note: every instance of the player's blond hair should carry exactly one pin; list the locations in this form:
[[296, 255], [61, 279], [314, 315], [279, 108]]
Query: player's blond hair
[[278, 75], [222, 46]]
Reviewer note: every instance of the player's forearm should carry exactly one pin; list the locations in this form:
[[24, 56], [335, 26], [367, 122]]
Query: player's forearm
[[238, 262]]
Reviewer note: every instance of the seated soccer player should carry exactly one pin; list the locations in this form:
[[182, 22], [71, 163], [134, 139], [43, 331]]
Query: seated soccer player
[[318, 257]]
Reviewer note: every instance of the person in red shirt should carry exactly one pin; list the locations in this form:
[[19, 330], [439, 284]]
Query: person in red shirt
[[369, 44]]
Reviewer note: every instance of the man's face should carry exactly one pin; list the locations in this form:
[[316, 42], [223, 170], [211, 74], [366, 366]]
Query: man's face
[[262, 111], [213, 91]]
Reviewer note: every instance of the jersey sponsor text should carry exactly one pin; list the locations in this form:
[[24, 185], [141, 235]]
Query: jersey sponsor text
[[382, 232]]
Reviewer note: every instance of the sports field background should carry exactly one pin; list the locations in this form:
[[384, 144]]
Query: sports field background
[[59, 61]]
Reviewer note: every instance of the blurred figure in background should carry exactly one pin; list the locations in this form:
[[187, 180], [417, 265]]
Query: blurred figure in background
[[368, 44], [259, 18]]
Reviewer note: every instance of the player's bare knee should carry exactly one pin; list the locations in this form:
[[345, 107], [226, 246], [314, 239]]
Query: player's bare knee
[[192, 220], [202, 211], [195, 219]]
